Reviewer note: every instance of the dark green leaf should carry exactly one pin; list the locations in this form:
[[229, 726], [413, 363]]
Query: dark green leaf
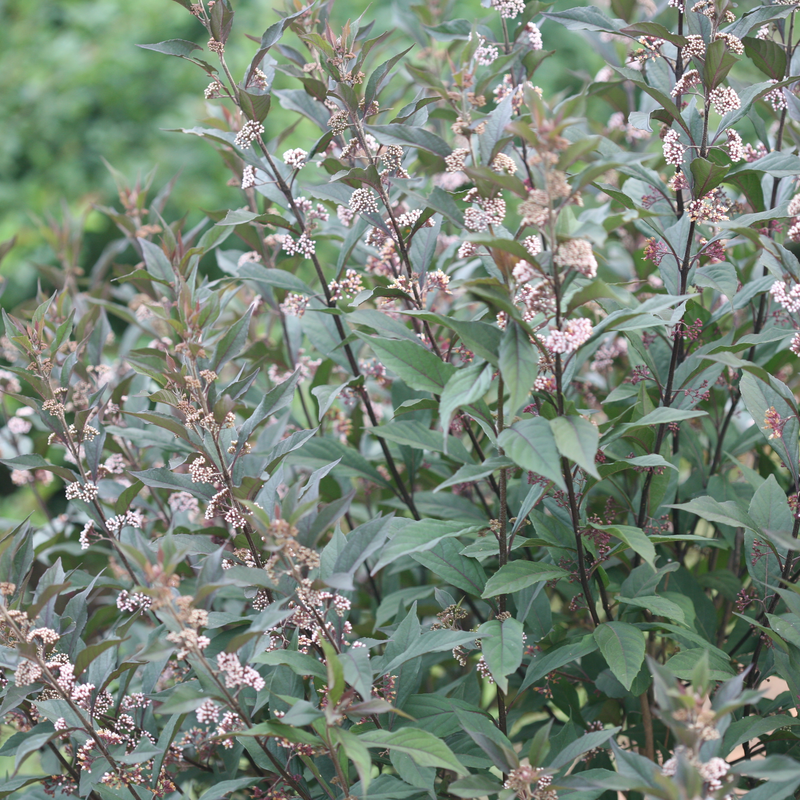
[[623, 648], [518, 574], [531, 445]]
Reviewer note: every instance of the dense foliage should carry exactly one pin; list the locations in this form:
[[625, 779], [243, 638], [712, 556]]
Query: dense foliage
[[477, 471]]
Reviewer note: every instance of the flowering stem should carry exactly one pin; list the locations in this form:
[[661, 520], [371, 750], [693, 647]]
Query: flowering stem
[[56, 686], [404, 257], [245, 717], [573, 503], [677, 348], [287, 193], [501, 537]]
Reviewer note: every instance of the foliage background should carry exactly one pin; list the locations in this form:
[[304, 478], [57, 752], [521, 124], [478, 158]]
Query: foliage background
[[76, 90]]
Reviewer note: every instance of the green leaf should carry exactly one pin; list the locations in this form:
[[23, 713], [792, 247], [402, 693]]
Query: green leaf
[[335, 669], [426, 749], [378, 79], [156, 262], [172, 47], [11, 785], [162, 478], [707, 175], [474, 472], [412, 433], [300, 663], [356, 751], [464, 387], [727, 513], [623, 648], [718, 63], [232, 343], [752, 727], [502, 648], [276, 728], [416, 537], [410, 135], [759, 396], [417, 366], [662, 416], [480, 785], [657, 605], [446, 561], [654, 29], [558, 657], [650, 460], [777, 164], [635, 538], [767, 55], [576, 439], [484, 732], [540, 745], [721, 276], [519, 365], [224, 788], [531, 445], [430, 642], [582, 745], [32, 461], [683, 663], [585, 18], [517, 575]]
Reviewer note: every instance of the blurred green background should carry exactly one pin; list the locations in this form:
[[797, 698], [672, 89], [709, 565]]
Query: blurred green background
[[76, 90]]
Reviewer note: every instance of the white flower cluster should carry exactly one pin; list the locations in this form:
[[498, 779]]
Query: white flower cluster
[[776, 99], [363, 201], [535, 300], [86, 492], [735, 146], [238, 675], [304, 246], [133, 601], [250, 131], [789, 300], [509, 9], [523, 272], [133, 519], [455, 161], [724, 99], [486, 54], [576, 332], [295, 158], [183, 502], [534, 35], [294, 305], [687, 81], [248, 177], [188, 641], [577, 254], [696, 47], [533, 244], [673, 149]]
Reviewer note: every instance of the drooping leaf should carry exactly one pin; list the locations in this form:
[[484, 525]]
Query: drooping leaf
[[530, 444], [623, 648], [501, 646], [576, 439], [426, 749], [518, 574]]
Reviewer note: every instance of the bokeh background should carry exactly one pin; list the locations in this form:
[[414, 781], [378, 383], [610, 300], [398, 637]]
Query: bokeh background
[[76, 91]]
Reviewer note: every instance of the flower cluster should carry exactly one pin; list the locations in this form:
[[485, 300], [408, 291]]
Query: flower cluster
[[249, 132], [575, 333]]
